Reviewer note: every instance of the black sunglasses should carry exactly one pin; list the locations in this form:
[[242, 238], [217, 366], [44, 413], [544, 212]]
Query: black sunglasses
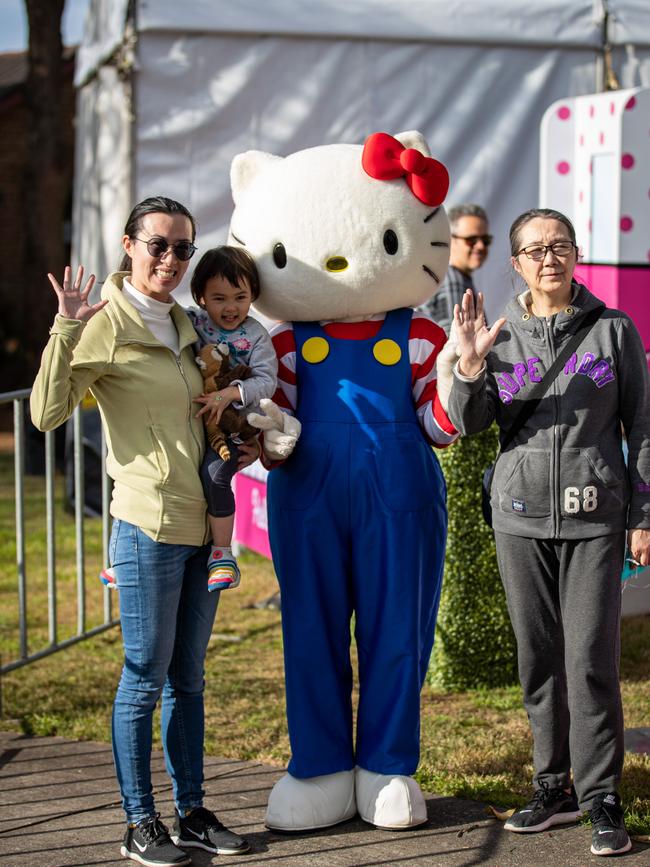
[[472, 240], [157, 247]]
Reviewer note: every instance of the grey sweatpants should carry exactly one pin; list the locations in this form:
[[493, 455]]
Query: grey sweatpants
[[564, 600]]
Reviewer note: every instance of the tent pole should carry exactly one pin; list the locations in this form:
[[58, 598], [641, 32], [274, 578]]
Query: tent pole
[[605, 76]]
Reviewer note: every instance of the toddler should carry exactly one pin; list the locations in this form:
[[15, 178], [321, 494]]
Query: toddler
[[224, 285]]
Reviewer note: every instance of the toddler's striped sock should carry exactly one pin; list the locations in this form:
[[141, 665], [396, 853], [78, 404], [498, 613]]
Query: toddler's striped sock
[[223, 571], [108, 579]]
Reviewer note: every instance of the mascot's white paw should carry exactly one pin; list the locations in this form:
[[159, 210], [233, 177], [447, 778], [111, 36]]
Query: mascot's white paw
[[394, 802], [314, 802], [281, 430], [445, 362]]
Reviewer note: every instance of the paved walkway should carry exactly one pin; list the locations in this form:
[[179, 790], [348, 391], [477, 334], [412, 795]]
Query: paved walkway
[[59, 808]]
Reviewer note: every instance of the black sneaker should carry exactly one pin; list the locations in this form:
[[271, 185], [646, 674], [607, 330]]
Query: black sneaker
[[608, 834], [548, 807], [202, 830], [149, 843]]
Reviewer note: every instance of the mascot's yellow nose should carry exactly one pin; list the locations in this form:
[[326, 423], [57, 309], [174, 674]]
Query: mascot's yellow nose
[[336, 263]]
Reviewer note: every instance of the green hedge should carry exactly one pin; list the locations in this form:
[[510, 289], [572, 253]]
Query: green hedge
[[475, 645]]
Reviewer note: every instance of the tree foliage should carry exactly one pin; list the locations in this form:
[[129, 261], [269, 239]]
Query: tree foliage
[[475, 645]]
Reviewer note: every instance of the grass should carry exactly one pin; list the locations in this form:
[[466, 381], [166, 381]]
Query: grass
[[475, 744], [36, 565]]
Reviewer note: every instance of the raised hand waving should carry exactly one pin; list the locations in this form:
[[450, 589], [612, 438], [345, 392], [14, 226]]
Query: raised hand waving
[[474, 338], [73, 302]]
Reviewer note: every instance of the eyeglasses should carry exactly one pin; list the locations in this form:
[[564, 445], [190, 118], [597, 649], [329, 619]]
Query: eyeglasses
[[537, 252], [472, 240], [157, 247]]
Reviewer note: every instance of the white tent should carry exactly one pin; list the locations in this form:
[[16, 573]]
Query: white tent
[[169, 92]]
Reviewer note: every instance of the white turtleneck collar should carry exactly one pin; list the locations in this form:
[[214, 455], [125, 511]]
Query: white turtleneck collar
[[155, 314]]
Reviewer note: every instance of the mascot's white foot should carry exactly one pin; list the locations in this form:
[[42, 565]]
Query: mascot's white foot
[[394, 802], [315, 802]]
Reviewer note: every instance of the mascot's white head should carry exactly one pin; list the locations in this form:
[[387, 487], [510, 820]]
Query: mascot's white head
[[343, 231]]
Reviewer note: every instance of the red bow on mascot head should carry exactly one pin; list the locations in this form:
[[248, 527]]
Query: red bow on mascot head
[[384, 158]]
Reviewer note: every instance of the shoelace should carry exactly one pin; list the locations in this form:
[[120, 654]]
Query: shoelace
[[611, 813], [153, 829], [545, 794], [207, 818]]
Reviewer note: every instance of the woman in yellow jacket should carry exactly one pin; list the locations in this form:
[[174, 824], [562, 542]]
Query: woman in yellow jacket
[[133, 350]]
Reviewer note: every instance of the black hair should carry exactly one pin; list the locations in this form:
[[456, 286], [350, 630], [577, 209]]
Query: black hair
[[533, 214], [152, 205], [233, 263]]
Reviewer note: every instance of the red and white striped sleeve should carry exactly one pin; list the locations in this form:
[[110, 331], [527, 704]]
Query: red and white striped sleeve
[[426, 339], [284, 343]]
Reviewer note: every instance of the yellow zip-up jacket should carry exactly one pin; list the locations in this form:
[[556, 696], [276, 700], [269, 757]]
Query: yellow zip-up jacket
[[144, 392]]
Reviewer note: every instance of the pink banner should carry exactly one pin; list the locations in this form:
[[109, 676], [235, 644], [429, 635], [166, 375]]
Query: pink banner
[[251, 525]]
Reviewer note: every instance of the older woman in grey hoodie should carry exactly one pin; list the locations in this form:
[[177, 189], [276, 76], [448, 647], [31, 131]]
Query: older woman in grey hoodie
[[563, 500]]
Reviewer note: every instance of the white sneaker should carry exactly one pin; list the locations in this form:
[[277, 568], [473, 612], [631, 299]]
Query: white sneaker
[[389, 801], [315, 802]]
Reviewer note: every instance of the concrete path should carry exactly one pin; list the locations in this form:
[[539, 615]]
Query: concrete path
[[59, 807]]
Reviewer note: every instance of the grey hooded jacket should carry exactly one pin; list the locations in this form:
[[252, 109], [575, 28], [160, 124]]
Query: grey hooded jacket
[[564, 476]]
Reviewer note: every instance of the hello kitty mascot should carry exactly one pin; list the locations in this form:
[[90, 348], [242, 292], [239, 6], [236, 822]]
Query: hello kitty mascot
[[348, 239]]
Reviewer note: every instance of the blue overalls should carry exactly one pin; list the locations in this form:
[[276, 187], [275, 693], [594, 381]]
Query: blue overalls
[[357, 522]]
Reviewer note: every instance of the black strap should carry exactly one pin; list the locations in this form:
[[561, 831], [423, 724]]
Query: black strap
[[540, 389]]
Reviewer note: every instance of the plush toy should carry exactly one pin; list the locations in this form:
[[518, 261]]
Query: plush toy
[[214, 363], [347, 240]]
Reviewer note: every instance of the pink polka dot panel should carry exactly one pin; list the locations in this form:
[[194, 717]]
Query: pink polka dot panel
[[593, 162]]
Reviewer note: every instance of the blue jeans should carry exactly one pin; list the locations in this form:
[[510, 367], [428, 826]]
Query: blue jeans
[[166, 615]]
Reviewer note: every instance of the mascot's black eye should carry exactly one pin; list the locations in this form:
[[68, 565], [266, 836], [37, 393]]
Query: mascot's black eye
[[280, 255], [391, 244]]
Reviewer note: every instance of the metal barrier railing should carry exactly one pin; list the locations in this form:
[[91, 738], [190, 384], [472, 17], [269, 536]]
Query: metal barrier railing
[[25, 655]]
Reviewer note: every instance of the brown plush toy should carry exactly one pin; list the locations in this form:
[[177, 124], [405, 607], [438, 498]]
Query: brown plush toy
[[214, 363]]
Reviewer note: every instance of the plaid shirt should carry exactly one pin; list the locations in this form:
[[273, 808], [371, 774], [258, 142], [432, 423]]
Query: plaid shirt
[[440, 307]]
